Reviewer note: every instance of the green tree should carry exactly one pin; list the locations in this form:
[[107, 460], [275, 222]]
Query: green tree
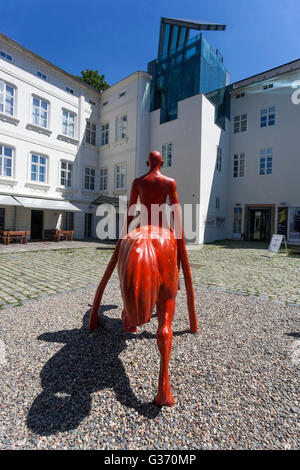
[[94, 79]]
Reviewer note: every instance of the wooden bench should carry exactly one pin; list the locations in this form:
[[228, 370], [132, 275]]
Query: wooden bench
[[57, 235], [14, 235]]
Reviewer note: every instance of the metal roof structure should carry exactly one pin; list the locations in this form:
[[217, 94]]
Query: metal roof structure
[[175, 32]]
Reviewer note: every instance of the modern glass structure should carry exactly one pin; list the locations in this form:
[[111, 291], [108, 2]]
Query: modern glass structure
[[185, 66]]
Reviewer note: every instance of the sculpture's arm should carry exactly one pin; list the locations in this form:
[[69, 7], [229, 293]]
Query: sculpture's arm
[[111, 265], [183, 257]]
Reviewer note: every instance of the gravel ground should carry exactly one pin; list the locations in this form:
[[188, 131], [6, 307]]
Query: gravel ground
[[235, 383]]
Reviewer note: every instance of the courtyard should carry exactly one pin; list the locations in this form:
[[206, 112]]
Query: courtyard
[[235, 383], [41, 270]]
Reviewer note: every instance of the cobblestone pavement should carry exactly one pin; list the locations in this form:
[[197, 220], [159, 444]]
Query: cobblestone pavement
[[231, 266], [248, 268]]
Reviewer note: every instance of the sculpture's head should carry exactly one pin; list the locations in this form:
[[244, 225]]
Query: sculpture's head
[[154, 160]]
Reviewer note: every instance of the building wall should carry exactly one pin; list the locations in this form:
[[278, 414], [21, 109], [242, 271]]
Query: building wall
[[130, 97], [25, 139], [213, 182], [282, 186], [195, 137], [87, 105]]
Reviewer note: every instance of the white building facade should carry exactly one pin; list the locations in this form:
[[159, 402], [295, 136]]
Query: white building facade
[[65, 148]]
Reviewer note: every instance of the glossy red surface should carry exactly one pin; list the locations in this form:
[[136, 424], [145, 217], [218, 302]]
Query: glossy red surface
[[148, 261]]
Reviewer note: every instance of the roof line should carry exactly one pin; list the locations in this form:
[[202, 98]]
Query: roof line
[[264, 72], [17, 45]]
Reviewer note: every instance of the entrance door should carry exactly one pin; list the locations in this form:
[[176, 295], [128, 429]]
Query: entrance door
[[36, 225], [88, 225], [259, 224]]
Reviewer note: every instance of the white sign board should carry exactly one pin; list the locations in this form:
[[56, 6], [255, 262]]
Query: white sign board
[[275, 243]]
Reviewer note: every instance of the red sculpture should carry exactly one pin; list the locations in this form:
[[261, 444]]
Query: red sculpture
[[148, 263]]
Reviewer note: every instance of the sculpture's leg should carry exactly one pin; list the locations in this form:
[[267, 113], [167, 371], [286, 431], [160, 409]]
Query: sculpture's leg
[[127, 327], [99, 293], [165, 312], [188, 286]]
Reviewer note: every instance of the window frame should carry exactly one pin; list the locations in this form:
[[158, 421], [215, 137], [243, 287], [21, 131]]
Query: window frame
[[239, 165], [105, 134], [68, 124], [219, 158], [4, 55], [91, 177], [39, 165], [265, 154], [116, 174], [103, 178], [239, 220], [267, 117], [120, 134], [33, 97], [167, 154], [91, 132], [12, 158], [68, 171], [14, 88], [240, 123], [41, 75]]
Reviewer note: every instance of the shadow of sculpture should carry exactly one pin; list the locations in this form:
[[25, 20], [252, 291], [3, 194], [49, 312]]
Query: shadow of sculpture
[[88, 362]]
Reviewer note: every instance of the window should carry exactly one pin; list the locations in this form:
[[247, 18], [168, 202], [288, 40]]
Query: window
[[2, 218], [90, 133], [89, 179], [103, 179], [38, 168], [294, 224], [121, 128], [266, 162], [122, 94], [239, 165], [6, 56], [267, 87], [7, 98], [219, 158], [41, 75], [120, 176], [69, 90], [166, 154], [68, 123], [105, 134], [217, 203], [69, 221], [237, 220], [66, 174], [6, 161], [267, 116], [240, 123], [39, 112], [240, 95]]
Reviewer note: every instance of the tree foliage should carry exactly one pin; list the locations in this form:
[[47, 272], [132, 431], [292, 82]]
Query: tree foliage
[[94, 79]]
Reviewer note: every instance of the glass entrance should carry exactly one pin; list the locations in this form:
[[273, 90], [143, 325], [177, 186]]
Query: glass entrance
[[259, 224]]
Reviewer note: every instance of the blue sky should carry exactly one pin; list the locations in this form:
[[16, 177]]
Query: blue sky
[[118, 37]]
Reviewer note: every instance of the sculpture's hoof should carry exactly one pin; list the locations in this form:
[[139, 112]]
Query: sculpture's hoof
[[94, 323], [161, 401]]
